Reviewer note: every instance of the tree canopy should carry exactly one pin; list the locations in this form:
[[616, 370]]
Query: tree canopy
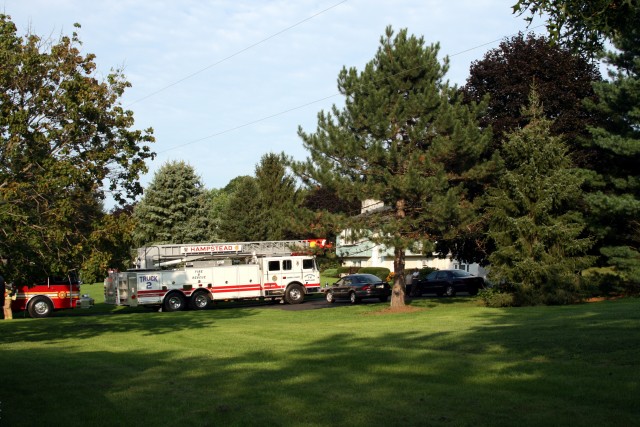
[[580, 24], [65, 144], [403, 138], [173, 208], [533, 216], [563, 80]]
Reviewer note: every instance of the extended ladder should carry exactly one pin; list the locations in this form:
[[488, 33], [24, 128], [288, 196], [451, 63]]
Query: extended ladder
[[154, 256]]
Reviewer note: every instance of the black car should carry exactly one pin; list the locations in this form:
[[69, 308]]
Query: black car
[[355, 287], [447, 282]]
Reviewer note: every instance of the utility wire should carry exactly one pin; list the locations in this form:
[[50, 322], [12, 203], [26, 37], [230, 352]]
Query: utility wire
[[235, 54], [308, 103]]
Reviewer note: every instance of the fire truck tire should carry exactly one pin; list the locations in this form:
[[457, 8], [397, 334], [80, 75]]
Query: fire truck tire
[[40, 307], [174, 302], [294, 294], [199, 301]]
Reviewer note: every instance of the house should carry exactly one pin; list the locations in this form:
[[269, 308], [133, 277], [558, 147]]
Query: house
[[362, 252]]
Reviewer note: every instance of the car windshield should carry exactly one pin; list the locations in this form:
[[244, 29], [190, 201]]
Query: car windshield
[[461, 273]]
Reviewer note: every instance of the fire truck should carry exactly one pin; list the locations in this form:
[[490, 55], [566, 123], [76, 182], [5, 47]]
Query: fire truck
[[42, 298], [210, 272]]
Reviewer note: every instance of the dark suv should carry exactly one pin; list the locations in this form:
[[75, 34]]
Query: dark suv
[[447, 282]]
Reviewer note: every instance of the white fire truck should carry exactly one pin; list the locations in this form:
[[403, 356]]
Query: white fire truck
[[209, 272]]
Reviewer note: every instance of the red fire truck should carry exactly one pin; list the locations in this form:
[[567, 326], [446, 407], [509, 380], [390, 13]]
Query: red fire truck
[[42, 298]]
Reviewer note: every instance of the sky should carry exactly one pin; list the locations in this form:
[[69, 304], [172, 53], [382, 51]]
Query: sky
[[224, 82]]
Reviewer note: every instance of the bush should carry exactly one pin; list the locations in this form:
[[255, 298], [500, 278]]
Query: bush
[[331, 272], [347, 270], [494, 297], [381, 272]]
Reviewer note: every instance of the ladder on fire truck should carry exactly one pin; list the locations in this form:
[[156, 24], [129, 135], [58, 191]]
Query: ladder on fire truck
[[154, 256]]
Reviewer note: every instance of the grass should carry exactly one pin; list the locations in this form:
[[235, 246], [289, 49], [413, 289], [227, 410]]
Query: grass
[[450, 363]]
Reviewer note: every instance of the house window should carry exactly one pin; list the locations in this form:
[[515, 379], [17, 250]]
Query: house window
[[464, 267]]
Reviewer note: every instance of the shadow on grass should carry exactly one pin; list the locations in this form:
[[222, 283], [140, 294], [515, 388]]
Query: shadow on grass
[[528, 367]]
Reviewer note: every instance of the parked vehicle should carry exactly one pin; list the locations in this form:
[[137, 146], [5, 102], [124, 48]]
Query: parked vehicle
[[448, 283], [356, 287], [210, 272], [44, 296]]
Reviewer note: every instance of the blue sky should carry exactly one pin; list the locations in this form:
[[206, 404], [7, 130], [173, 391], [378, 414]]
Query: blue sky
[[224, 82]]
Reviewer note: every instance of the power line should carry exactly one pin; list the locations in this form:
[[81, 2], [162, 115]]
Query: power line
[[235, 54], [308, 103]]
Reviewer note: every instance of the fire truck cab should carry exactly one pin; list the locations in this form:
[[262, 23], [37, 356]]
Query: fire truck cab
[[45, 296]]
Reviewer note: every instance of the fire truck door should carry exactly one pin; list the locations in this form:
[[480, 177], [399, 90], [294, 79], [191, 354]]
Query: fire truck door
[[132, 284]]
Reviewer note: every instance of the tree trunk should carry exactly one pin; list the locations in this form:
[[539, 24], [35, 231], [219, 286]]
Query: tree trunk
[[398, 290]]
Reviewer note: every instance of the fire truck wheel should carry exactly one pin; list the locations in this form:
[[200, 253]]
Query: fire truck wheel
[[199, 301], [40, 307], [174, 302], [294, 294]]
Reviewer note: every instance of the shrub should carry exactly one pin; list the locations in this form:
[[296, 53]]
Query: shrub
[[347, 270], [494, 297], [331, 272], [381, 272]]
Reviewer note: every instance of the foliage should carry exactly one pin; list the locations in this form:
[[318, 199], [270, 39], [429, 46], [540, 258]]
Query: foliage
[[173, 208], [240, 220], [381, 272], [65, 143], [331, 272], [113, 241], [494, 297], [613, 181], [278, 198], [404, 138], [538, 234], [562, 80], [582, 24]]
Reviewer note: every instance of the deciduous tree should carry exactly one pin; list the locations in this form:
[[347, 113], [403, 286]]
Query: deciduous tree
[[65, 143]]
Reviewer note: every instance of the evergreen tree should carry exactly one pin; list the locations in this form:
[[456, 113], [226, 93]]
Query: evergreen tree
[[614, 177], [403, 138], [278, 198], [241, 216], [538, 234], [173, 208]]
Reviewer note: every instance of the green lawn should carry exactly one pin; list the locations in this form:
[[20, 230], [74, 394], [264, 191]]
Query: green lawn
[[451, 363]]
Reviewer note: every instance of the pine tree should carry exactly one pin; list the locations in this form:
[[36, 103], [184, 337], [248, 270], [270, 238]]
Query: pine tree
[[278, 198], [241, 217], [403, 138], [614, 176], [538, 234], [172, 209]]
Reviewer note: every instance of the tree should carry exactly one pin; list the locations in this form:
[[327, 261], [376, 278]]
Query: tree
[[538, 233], [173, 208], [583, 25], [613, 181], [278, 198], [613, 184], [240, 220], [112, 242], [403, 138], [563, 81], [65, 142]]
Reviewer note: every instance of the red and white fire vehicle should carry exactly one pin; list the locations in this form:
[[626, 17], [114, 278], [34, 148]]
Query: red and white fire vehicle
[[209, 272], [42, 298]]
